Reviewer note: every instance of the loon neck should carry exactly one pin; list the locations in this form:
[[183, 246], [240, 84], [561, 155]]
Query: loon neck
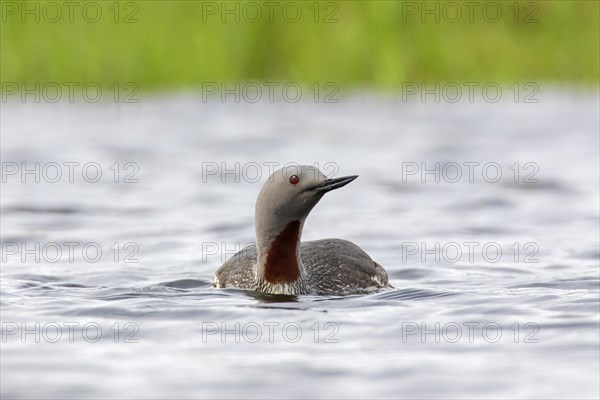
[[278, 258]]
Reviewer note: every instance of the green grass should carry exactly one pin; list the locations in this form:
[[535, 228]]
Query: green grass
[[172, 47]]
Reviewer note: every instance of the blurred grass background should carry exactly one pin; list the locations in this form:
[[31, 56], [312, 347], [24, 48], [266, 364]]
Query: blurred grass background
[[180, 44]]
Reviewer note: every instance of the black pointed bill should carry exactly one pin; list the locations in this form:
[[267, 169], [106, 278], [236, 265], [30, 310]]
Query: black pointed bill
[[331, 184]]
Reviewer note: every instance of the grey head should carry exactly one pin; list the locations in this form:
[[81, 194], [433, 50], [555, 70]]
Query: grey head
[[290, 194], [283, 204]]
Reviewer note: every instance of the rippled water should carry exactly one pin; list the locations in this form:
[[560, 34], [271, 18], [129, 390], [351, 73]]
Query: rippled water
[[435, 334]]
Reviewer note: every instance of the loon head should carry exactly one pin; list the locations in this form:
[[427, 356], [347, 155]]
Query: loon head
[[289, 195], [283, 204]]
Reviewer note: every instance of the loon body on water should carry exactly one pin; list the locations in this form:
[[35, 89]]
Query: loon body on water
[[279, 263]]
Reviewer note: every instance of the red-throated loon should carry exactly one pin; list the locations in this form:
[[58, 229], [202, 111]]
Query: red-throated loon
[[279, 263]]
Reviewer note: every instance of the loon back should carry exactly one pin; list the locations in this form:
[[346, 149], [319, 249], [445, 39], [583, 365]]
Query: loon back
[[333, 266]]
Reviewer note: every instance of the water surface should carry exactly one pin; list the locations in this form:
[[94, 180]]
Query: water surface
[[524, 325]]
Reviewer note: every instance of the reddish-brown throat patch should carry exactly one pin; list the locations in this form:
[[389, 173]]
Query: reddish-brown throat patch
[[282, 265]]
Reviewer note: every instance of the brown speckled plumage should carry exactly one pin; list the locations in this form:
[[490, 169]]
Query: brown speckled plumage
[[333, 266]]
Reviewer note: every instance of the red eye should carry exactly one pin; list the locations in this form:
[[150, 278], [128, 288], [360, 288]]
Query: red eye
[[294, 180]]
